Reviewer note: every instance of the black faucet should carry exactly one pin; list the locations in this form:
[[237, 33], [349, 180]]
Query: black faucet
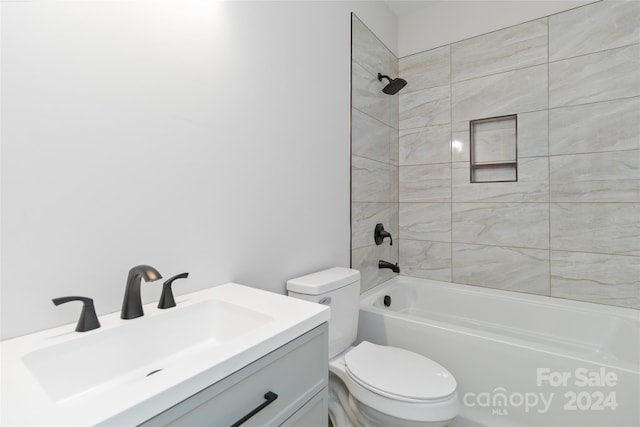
[[88, 319], [132, 304], [379, 235], [386, 264]]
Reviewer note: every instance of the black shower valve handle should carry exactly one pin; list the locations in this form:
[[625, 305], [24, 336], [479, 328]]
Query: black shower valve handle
[[166, 298], [88, 319], [379, 234]]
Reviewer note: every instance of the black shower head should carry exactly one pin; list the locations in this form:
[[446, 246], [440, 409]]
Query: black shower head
[[394, 85]]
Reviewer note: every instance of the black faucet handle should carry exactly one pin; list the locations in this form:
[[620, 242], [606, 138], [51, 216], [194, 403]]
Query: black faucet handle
[[88, 319], [166, 298], [379, 235]]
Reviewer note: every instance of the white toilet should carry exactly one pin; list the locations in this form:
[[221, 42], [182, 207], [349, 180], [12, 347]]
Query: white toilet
[[370, 384]]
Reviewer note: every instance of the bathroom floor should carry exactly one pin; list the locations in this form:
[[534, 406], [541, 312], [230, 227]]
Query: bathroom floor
[[465, 422], [458, 422]]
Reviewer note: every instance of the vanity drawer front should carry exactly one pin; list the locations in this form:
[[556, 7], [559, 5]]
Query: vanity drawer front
[[296, 372]]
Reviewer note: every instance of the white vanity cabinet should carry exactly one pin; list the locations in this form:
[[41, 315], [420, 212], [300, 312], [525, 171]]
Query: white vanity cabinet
[[297, 373]]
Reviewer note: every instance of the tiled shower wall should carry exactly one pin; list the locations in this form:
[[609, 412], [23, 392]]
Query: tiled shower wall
[[374, 155], [570, 226]]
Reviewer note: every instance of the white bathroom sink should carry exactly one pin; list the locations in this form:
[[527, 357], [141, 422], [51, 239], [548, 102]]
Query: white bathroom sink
[[138, 348], [127, 371]]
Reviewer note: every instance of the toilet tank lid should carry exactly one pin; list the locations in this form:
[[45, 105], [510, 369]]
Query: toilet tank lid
[[323, 281]]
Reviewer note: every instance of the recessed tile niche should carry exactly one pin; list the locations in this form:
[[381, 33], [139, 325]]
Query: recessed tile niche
[[494, 149]]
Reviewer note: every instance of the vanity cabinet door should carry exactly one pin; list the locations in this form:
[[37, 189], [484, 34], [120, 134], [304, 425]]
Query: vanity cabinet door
[[314, 414], [296, 372]]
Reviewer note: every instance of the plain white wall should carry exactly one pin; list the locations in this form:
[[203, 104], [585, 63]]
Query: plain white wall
[[200, 136], [437, 23]]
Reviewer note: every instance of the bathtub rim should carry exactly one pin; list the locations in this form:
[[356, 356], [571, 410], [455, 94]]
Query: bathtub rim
[[367, 297]]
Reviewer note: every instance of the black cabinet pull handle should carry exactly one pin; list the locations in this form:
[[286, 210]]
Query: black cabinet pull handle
[[270, 396]]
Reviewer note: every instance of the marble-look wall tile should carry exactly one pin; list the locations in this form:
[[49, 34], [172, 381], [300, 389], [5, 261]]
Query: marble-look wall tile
[[501, 224], [431, 144], [370, 137], [425, 221], [610, 228], [599, 278], [365, 216], [428, 260], [513, 269], [519, 46], [424, 108], [532, 184], [426, 183], [368, 51], [394, 148], [592, 28], [596, 177], [366, 261], [602, 76], [574, 130], [394, 183], [460, 142], [511, 92], [367, 96], [370, 180], [533, 134], [394, 227], [426, 69]]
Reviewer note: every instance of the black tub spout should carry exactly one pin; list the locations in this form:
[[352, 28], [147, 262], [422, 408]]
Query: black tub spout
[[387, 264]]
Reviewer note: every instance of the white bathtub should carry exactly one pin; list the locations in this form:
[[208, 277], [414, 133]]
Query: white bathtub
[[518, 359]]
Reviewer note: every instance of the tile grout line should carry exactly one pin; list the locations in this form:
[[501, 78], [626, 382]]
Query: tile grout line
[[595, 52], [507, 246], [372, 117], [507, 202], [625, 98], [457, 162]]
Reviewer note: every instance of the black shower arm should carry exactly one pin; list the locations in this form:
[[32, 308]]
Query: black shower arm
[[380, 77]]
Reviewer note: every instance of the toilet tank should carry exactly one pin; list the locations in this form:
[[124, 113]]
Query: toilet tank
[[339, 288]]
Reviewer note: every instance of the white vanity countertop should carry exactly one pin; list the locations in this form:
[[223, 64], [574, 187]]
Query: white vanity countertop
[[133, 399]]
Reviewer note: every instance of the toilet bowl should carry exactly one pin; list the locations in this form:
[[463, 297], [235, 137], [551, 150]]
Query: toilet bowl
[[372, 385], [395, 387]]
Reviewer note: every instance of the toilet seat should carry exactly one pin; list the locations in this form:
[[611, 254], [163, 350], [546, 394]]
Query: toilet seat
[[398, 374], [406, 398]]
